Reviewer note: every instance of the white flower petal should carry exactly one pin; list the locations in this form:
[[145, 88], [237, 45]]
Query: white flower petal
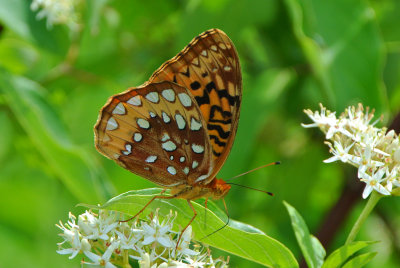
[[331, 159], [148, 229], [93, 257], [188, 251], [164, 229], [380, 189], [110, 227], [103, 237], [110, 265], [165, 241], [65, 251], [332, 130], [74, 254], [148, 240], [367, 191], [309, 125], [110, 250], [165, 265]]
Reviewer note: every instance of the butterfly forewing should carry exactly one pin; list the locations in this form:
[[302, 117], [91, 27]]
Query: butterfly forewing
[[156, 131], [209, 67]]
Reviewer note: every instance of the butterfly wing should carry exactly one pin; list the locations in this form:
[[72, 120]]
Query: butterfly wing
[[209, 67], [156, 131]]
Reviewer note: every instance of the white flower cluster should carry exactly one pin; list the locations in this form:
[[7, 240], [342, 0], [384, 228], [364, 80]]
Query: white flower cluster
[[355, 140], [57, 12], [110, 243]]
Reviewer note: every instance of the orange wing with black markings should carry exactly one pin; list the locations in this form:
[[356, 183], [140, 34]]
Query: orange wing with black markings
[[209, 67]]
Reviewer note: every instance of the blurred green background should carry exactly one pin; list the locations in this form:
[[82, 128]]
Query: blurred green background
[[294, 55]]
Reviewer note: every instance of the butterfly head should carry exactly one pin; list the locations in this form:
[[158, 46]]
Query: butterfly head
[[219, 188]]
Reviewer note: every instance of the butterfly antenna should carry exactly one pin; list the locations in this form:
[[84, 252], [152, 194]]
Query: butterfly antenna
[[247, 172], [220, 228], [251, 188]]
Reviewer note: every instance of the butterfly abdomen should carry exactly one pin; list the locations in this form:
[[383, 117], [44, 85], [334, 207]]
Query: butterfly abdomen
[[216, 189]]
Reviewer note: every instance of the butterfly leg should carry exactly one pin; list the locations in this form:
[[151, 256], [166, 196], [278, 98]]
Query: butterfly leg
[[154, 197], [191, 220]]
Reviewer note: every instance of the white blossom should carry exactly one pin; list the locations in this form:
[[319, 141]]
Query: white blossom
[[103, 260], [107, 242], [57, 12], [183, 247], [156, 232], [339, 153], [353, 139], [321, 119], [373, 181], [129, 236], [72, 237], [96, 228]]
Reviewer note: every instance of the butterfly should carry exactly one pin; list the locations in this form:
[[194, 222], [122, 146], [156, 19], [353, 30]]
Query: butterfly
[[178, 128]]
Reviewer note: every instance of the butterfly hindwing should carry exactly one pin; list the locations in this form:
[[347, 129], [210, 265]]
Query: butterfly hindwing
[[156, 131]]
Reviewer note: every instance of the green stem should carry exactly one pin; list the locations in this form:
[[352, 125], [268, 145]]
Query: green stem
[[372, 201], [125, 256]]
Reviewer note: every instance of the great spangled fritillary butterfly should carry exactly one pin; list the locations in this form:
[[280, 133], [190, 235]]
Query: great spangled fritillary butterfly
[[177, 129]]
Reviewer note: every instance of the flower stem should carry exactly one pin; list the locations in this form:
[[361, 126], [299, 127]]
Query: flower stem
[[125, 255], [372, 201]]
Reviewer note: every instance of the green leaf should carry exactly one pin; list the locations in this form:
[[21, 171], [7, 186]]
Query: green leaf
[[319, 250], [237, 238], [360, 260], [346, 54], [73, 166], [339, 256], [312, 249], [6, 135]]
